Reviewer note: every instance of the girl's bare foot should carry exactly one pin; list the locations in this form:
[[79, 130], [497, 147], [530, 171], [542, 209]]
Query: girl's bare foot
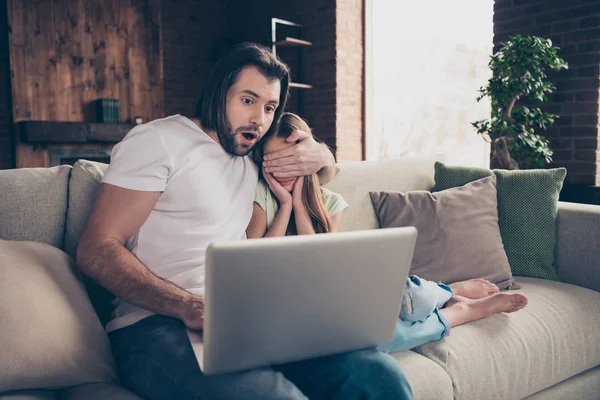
[[460, 310], [474, 288]]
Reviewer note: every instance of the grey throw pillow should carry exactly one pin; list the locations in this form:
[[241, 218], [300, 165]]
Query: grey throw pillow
[[33, 204], [459, 237]]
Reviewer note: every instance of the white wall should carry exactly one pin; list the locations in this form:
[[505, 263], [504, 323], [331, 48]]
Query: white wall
[[424, 63]]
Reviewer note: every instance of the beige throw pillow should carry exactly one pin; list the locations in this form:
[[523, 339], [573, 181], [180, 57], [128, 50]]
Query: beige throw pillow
[[50, 335], [459, 237]]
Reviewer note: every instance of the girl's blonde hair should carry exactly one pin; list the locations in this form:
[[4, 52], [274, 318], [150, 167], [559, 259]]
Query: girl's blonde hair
[[311, 190]]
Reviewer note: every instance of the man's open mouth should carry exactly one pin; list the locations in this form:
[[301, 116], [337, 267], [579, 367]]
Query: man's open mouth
[[250, 136]]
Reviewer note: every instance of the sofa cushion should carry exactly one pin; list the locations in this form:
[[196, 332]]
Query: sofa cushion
[[577, 244], [51, 337], [98, 391], [426, 378], [30, 395], [355, 180], [33, 204], [459, 237], [512, 356], [83, 188], [527, 208], [584, 386]]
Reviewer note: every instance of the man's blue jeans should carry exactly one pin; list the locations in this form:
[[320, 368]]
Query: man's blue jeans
[[156, 361]]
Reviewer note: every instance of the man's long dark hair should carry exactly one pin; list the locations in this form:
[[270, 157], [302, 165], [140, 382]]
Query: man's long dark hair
[[211, 106]]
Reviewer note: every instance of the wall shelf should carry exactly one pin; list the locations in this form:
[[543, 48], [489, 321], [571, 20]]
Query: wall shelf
[[289, 35], [292, 42], [47, 132], [300, 85]]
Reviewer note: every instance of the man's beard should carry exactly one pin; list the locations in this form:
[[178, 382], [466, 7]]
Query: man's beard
[[228, 142]]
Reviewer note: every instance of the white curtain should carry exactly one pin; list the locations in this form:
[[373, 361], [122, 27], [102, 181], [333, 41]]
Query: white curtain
[[424, 63]]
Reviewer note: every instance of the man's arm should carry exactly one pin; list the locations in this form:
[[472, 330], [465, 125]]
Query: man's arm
[[329, 170], [117, 215], [305, 158]]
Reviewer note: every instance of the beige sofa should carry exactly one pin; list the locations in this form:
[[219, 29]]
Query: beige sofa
[[550, 350]]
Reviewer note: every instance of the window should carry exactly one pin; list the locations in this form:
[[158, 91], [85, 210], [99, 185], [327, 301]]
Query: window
[[424, 64]]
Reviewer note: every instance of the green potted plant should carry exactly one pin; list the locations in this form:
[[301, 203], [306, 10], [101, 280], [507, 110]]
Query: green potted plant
[[519, 82]]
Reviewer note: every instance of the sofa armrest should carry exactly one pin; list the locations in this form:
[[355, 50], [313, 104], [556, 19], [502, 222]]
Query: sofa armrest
[[578, 244], [98, 391]]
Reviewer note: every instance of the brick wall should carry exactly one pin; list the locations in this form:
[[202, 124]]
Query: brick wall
[[333, 64], [193, 35], [7, 159], [320, 64], [349, 74], [574, 26]]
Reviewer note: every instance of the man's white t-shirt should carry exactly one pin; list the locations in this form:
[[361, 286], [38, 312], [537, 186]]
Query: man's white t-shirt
[[207, 196]]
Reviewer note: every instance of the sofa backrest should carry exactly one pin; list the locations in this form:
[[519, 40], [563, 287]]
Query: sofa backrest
[[83, 188], [33, 204], [355, 180], [51, 205]]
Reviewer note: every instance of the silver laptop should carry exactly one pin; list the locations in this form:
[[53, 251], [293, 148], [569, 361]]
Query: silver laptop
[[277, 300]]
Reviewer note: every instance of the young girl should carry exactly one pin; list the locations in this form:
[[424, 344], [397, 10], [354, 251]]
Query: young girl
[[299, 206]]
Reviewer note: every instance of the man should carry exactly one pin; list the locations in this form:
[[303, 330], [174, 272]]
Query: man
[[172, 188]]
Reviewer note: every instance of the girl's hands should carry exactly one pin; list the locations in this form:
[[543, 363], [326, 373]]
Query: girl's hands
[[294, 198], [279, 191]]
